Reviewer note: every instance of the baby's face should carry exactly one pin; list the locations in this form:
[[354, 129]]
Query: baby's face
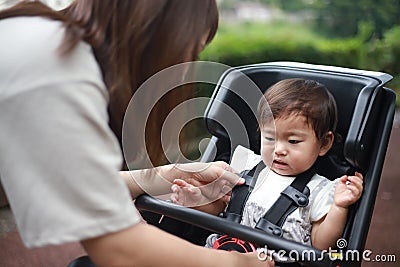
[[289, 145]]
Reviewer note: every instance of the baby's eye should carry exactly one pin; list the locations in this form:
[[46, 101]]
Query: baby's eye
[[292, 141], [269, 139]]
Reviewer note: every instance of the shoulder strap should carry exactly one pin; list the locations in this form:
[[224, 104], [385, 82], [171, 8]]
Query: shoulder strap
[[294, 196], [241, 193]]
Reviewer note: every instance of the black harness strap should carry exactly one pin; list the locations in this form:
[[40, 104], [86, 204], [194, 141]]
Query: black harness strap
[[294, 196], [241, 193]]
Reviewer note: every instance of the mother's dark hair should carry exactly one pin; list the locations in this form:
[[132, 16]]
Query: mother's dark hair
[[132, 40]]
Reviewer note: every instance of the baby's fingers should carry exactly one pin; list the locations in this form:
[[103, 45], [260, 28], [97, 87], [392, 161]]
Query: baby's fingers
[[181, 183], [176, 188], [355, 184], [344, 179], [359, 175], [175, 199], [356, 181]]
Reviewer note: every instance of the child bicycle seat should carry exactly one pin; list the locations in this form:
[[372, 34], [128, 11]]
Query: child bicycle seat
[[365, 117]]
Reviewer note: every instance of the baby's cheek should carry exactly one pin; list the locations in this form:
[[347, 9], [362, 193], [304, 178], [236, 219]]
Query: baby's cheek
[[267, 157]]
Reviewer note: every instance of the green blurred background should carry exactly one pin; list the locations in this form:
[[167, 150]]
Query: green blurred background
[[361, 34]]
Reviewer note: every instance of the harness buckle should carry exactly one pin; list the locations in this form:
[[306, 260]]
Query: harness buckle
[[299, 198], [269, 227]]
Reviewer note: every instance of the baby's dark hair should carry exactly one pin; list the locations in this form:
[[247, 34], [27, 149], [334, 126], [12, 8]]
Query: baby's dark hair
[[300, 97]]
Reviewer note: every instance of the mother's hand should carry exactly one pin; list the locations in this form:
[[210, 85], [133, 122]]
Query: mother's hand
[[215, 179]]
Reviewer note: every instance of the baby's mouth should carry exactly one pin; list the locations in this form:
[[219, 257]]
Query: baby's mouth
[[279, 164]]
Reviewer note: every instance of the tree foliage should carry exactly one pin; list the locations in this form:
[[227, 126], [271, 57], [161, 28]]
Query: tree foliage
[[342, 18]]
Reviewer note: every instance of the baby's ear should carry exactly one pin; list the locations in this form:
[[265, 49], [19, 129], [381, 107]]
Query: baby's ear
[[326, 143]]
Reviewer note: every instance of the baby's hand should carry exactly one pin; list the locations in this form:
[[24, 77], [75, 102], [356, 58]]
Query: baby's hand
[[348, 190], [186, 194]]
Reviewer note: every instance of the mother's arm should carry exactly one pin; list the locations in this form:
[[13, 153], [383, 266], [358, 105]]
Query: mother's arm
[[145, 245], [157, 181]]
